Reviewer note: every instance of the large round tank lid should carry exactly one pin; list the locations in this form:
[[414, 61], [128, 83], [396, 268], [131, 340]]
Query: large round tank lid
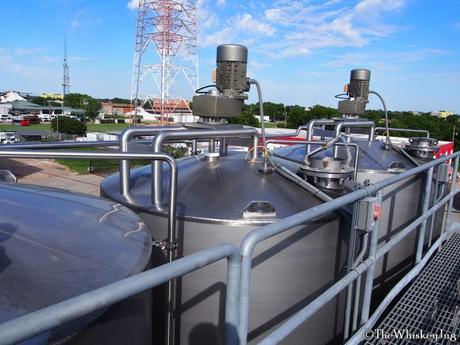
[[360, 74], [232, 52]]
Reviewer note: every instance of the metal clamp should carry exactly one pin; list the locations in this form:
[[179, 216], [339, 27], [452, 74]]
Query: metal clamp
[[166, 245]]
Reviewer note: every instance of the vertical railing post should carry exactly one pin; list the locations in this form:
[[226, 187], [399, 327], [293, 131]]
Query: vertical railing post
[[232, 300], [453, 190], [435, 200], [124, 164], [245, 292], [350, 257], [376, 204], [194, 147], [426, 205]]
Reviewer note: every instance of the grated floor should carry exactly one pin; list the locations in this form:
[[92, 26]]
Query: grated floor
[[429, 311]]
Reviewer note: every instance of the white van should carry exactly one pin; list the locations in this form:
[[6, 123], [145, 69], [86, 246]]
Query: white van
[[5, 118], [8, 137], [45, 117]]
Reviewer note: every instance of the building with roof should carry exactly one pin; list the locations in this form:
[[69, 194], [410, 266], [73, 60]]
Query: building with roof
[[11, 96], [28, 108], [32, 135], [54, 96], [110, 108]]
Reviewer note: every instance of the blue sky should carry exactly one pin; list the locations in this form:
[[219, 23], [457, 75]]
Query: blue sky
[[300, 51]]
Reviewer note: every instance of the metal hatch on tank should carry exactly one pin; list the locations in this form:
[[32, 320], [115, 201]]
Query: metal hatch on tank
[[55, 245], [223, 195]]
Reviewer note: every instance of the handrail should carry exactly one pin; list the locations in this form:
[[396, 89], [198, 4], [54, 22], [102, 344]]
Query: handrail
[[410, 130], [162, 137], [256, 236], [356, 124], [239, 274], [311, 125], [29, 325], [124, 139], [60, 145], [357, 337]]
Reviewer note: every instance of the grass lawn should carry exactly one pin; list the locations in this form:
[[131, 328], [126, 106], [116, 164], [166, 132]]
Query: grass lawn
[[95, 166], [9, 127], [47, 127]]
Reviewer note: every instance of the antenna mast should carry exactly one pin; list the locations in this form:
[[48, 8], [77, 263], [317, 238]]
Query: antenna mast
[[66, 77]]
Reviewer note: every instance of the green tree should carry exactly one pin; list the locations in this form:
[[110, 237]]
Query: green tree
[[76, 100], [68, 125], [38, 100], [121, 100], [297, 116], [92, 107], [246, 118], [274, 110]]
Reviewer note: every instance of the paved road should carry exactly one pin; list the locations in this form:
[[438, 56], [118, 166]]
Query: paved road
[[48, 173]]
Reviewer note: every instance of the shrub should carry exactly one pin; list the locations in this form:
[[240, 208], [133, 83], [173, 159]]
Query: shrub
[[68, 125]]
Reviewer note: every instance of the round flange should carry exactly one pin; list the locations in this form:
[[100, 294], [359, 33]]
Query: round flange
[[328, 172], [422, 148]]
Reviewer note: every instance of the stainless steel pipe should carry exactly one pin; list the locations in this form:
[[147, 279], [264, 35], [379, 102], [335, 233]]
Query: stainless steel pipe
[[162, 137], [125, 137]]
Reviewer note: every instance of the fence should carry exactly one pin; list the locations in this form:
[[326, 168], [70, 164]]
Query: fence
[[240, 261]]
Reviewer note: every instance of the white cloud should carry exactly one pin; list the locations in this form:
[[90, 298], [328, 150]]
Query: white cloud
[[221, 3], [29, 51], [133, 4], [30, 69], [384, 60], [219, 37], [248, 23], [207, 19], [302, 27]]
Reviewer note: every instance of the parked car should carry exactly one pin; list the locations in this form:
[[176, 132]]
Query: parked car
[[33, 119], [8, 137], [45, 117], [5, 118], [24, 122]]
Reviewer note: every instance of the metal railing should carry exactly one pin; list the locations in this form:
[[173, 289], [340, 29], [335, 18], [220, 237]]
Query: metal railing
[[366, 266], [240, 261], [408, 130], [39, 321], [172, 133]]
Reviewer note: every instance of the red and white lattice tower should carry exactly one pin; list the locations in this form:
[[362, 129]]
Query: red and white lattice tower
[[166, 51]]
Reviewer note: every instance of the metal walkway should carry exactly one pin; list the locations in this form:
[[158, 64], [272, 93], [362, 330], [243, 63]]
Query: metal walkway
[[429, 311]]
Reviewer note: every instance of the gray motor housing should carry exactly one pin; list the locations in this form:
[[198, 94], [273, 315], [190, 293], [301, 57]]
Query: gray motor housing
[[216, 106], [231, 84], [352, 107], [358, 93], [231, 69]]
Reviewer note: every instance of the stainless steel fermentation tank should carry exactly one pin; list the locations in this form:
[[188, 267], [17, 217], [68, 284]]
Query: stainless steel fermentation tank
[[224, 195], [221, 200], [55, 245]]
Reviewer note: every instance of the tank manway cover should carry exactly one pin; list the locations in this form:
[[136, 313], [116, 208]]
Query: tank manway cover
[[56, 245]]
